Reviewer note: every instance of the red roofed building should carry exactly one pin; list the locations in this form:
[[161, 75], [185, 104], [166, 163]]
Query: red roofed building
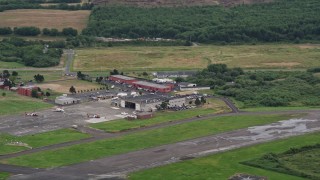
[[152, 86], [122, 79]]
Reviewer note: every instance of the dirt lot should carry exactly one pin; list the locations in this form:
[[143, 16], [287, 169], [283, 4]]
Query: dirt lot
[[64, 86], [44, 18]]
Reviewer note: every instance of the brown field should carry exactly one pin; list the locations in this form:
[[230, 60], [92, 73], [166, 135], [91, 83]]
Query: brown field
[[64, 86], [44, 18]]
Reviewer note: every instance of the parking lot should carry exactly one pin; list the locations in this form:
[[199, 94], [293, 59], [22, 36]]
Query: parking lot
[[48, 120]]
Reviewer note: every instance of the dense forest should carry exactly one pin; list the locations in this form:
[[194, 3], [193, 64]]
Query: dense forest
[[282, 20], [262, 88], [31, 53]]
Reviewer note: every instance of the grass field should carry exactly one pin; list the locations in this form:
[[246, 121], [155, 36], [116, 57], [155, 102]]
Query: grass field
[[141, 140], [13, 103], [215, 106], [223, 165], [274, 56], [44, 18], [38, 140], [10, 65], [303, 162], [25, 76], [4, 175], [64, 86]]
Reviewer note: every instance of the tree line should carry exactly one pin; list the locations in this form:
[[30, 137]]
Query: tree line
[[283, 20], [34, 31]]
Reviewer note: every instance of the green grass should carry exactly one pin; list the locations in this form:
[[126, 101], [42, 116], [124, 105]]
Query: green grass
[[260, 109], [223, 165], [38, 140], [4, 175], [10, 65], [303, 162], [13, 103], [128, 58], [213, 106], [48, 75], [141, 140]]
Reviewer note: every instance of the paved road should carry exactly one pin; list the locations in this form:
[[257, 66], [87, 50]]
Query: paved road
[[120, 165], [70, 56]]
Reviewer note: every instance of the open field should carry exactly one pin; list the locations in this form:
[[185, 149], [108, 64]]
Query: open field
[[141, 140], [215, 106], [64, 86], [24, 75], [273, 56], [303, 162], [224, 165], [13, 103], [10, 65], [37, 140], [40, 18]]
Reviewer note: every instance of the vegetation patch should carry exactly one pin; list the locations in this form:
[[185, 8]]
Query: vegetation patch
[[10, 144], [4, 175], [224, 165], [12, 103], [161, 117], [303, 162], [133, 58], [141, 140]]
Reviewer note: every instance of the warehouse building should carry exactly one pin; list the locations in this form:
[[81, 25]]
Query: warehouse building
[[65, 100], [149, 103], [26, 90], [153, 86], [122, 79]]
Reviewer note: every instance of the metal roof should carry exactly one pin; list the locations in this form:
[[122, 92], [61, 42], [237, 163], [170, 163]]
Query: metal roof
[[149, 84], [123, 77]]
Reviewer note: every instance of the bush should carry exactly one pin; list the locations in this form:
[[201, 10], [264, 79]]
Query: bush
[[27, 31]]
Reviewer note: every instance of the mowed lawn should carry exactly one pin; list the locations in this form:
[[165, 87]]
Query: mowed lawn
[[44, 18], [13, 103], [213, 106], [64, 86], [8, 146], [141, 140], [223, 165], [273, 56]]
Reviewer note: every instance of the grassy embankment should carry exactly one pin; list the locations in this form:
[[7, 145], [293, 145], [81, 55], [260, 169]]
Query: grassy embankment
[[302, 162], [8, 145], [130, 58], [13, 103], [141, 140], [213, 106], [224, 165]]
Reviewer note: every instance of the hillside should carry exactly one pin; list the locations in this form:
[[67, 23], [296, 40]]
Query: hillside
[[153, 3]]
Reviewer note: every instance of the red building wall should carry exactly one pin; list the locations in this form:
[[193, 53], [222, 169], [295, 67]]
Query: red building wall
[[26, 91], [163, 90]]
